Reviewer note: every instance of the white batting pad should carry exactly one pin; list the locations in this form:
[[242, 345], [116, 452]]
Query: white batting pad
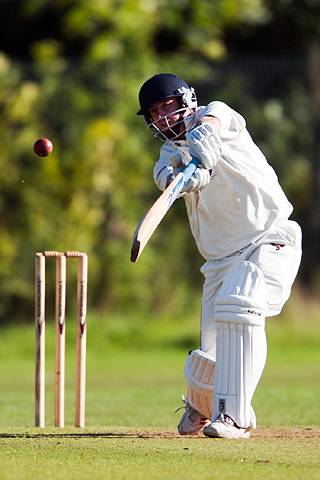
[[199, 374], [241, 341], [242, 296]]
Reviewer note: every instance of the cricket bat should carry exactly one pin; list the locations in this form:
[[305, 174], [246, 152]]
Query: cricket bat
[[158, 210]]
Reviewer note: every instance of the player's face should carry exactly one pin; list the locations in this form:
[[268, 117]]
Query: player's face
[[166, 108], [168, 117]]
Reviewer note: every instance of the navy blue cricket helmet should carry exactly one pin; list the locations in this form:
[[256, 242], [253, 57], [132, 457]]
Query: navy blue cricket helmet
[[164, 85], [160, 87]]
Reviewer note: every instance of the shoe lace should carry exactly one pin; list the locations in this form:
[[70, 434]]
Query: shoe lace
[[223, 418], [194, 415], [185, 406]]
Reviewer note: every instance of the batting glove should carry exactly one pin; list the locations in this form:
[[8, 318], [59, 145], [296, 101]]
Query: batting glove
[[205, 144], [170, 154], [198, 181], [165, 168]]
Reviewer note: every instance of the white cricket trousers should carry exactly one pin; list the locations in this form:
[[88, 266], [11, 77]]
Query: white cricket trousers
[[277, 254]]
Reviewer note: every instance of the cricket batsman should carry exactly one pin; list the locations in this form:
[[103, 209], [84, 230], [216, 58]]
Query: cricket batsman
[[239, 217]]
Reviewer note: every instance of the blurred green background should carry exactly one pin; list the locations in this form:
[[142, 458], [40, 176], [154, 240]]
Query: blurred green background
[[70, 70]]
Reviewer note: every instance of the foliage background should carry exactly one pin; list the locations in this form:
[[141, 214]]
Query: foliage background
[[73, 76]]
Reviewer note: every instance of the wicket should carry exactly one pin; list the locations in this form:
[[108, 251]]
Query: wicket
[[60, 308]]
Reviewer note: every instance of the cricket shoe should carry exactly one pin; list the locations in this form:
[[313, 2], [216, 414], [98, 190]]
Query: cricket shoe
[[192, 422], [224, 427]]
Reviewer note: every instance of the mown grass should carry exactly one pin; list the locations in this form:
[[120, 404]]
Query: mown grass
[[134, 383], [136, 458]]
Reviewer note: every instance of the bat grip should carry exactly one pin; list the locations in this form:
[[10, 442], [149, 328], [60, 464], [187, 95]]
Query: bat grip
[[190, 169]]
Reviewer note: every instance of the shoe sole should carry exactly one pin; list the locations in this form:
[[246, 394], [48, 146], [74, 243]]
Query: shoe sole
[[212, 432], [193, 432], [196, 432]]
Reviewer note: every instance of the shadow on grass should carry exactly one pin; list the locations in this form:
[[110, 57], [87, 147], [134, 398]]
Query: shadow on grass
[[312, 432], [92, 435]]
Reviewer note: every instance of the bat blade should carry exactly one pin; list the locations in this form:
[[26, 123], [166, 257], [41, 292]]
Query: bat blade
[[158, 210]]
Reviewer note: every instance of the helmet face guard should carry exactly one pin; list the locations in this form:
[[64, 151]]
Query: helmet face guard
[[171, 130], [158, 88]]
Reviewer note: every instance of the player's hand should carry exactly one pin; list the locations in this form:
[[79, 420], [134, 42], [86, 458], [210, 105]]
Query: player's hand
[[198, 181], [205, 144]]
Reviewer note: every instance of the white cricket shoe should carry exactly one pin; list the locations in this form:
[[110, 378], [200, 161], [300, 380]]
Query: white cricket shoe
[[192, 422], [224, 427]]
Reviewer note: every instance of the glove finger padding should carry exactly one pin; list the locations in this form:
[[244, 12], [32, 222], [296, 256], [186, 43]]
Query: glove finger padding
[[198, 181], [205, 144]]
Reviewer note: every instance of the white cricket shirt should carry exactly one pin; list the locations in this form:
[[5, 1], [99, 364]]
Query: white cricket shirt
[[243, 199]]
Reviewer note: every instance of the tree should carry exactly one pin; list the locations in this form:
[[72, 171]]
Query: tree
[[75, 78]]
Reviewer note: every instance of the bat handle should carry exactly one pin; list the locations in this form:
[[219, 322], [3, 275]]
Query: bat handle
[[190, 169]]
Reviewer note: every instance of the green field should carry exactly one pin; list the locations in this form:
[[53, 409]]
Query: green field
[[134, 383]]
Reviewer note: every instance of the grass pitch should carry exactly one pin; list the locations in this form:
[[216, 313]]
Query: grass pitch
[[134, 383]]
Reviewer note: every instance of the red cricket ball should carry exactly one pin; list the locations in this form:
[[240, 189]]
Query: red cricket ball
[[43, 147]]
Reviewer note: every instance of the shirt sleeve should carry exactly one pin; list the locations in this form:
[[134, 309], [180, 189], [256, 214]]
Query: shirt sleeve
[[232, 123]]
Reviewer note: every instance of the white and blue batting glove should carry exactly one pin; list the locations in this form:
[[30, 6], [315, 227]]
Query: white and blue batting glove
[[170, 154], [199, 180], [205, 144], [165, 169]]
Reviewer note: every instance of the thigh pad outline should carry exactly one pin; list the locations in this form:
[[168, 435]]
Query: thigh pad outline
[[242, 296]]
